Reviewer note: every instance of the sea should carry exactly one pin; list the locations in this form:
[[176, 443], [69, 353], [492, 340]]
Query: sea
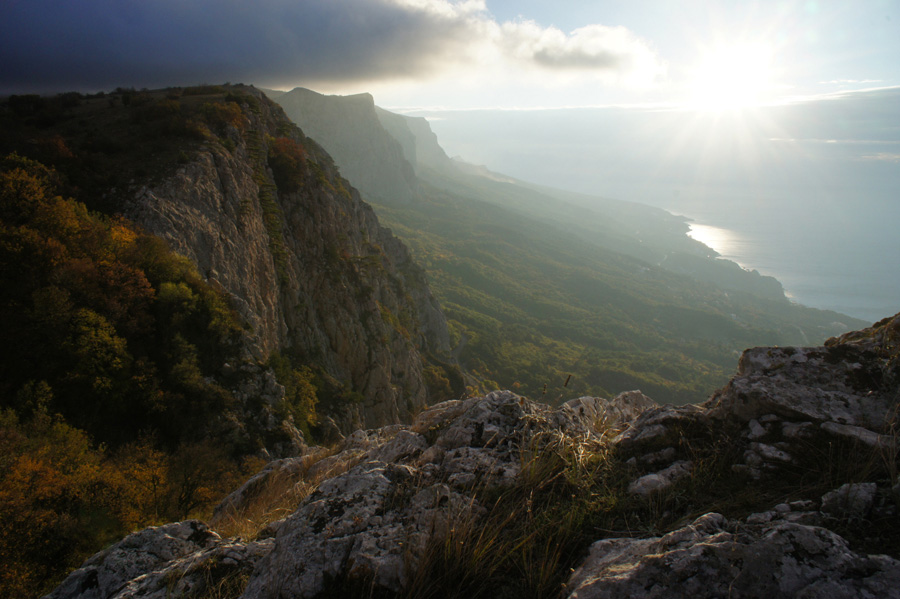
[[847, 261]]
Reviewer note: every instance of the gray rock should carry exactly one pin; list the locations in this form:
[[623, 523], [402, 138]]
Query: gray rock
[[858, 433], [714, 558], [770, 453], [607, 416], [797, 430], [659, 481], [755, 430], [819, 384], [198, 573], [666, 455], [850, 501], [139, 554], [656, 422]]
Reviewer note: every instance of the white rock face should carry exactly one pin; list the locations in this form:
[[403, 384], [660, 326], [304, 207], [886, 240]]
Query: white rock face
[[713, 557], [851, 381]]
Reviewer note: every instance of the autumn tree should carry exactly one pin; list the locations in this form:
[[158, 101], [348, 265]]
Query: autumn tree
[[287, 158]]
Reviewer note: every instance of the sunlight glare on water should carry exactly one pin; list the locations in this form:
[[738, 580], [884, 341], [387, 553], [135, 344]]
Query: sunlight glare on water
[[719, 239]]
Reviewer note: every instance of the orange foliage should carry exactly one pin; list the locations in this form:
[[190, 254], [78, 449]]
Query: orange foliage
[[222, 115], [288, 161], [50, 482], [107, 327]]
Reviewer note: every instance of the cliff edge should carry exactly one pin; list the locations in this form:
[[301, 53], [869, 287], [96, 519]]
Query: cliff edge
[[783, 484], [265, 215]]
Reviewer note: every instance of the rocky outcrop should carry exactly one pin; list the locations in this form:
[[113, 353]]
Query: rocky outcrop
[[308, 267], [715, 557], [385, 500], [174, 560], [348, 128], [849, 385], [386, 496]]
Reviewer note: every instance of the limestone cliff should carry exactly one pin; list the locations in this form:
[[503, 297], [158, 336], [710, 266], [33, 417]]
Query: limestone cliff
[[348, 128], [784, 484], [305, 261], [420, 145]]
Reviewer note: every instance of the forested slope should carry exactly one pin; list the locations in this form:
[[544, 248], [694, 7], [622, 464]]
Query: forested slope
[[187, 286], [530, 303], [545, 289]]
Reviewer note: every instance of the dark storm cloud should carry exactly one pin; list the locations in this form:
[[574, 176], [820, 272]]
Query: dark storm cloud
[[98, 44]]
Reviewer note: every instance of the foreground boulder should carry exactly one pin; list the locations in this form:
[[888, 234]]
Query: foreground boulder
[[380, 500], [714, 557], [800, 453]]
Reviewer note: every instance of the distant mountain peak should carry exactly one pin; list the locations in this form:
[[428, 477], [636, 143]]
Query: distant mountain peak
[[348, 127]]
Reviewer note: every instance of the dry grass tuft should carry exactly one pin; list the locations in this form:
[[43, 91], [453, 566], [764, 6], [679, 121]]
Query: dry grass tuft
[[280, 493]]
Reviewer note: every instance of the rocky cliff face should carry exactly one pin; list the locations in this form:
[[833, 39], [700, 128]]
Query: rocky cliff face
[[420, 145], [306, 263], [783, 484], [348, 128]]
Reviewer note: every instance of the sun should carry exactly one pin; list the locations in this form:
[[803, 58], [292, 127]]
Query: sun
[[731, 77]]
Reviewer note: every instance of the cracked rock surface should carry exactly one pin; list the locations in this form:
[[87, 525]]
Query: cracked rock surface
[[714, 557]]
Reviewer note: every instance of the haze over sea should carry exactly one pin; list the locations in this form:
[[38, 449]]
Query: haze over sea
[[846, 263], [807, 192]]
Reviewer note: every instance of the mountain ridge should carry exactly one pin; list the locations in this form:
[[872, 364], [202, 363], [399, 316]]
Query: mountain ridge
[[143, 381], [261, 210], [665, 243], [370, 157], [598, 294]]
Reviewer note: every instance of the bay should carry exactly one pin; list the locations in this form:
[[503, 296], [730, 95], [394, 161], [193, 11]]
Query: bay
[[846, 262]]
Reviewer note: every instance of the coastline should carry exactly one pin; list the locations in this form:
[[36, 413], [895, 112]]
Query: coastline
[[843, 287]]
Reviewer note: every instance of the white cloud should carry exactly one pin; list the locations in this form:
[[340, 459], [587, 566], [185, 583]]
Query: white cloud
[[594, 48]]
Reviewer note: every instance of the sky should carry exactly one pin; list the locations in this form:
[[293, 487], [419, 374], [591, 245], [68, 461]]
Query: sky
[[459, 54]]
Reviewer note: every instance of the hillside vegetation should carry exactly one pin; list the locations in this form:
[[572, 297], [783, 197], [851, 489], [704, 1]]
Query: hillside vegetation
[[535, 306], [551, 293], [137, 384], [107, 410]]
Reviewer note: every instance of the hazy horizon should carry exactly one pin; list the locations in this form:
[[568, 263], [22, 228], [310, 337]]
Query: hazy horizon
[[786, 187]]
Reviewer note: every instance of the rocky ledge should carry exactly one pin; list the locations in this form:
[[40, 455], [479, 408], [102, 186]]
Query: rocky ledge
[[783, 484]]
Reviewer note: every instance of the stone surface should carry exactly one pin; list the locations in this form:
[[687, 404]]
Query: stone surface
[[605, 415], [850, 381], [138, 555], [659, 481], [850, 501], [374, 521], [713, 557]]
